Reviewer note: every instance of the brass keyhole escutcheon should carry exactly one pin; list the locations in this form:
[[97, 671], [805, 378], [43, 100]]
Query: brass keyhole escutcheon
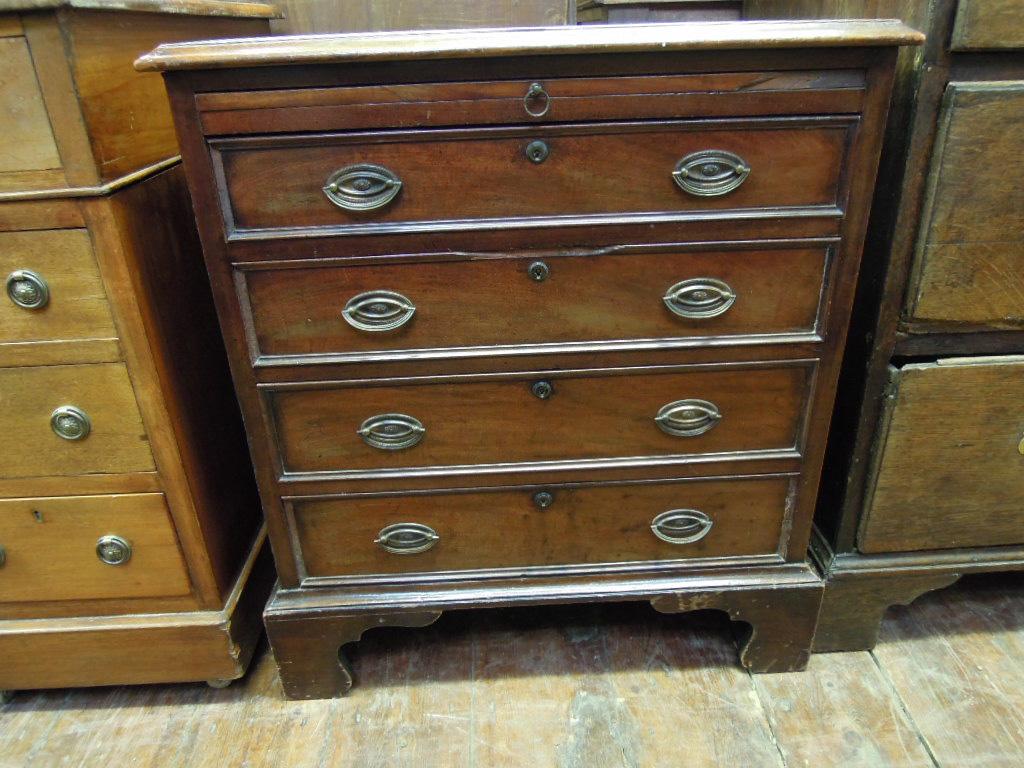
[[543, 499], [542, 389], [537, 151], [538, 271]]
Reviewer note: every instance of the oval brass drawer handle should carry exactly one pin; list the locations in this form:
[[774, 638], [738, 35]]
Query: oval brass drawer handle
[[688, 418], [681, 526], [378, 311], [27, 289], [700, 298], [710, 173], [70, 423], [406, 538], [113, 550], [362, 187], [392, 431]]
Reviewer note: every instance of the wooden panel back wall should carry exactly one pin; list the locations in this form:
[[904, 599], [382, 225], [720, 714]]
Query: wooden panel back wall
[[313, 16]]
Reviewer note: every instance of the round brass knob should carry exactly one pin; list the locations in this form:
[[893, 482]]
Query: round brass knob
[[113, 550], [70, 423], [538, 271], [27, 289], [537, 151]]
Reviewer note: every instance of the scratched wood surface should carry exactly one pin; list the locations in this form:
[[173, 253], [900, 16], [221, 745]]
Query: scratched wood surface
[[585, 686]]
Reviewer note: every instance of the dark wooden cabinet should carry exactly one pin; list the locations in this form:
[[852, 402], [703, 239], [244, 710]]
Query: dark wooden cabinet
[[535, 317], [922, 480]]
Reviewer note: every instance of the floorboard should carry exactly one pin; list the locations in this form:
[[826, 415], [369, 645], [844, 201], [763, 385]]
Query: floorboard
[[594, 686]]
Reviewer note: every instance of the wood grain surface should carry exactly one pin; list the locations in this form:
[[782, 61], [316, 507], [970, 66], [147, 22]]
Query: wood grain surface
[[623, 169], [67, 529], [609, 524], [573, 687], [987, 25], [970, 256], [950, 460], [587, 416], [494, 301], [28, 143]]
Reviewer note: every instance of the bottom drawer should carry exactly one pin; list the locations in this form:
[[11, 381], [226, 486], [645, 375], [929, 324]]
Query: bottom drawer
[[951, 467], [52, 549], [521, 527]]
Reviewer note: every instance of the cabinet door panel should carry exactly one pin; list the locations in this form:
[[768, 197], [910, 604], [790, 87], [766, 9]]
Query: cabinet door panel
[[969, 270], [951, 468]]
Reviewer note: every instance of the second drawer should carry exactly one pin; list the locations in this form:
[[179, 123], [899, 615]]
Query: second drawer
[[521, 527], [541, 417]]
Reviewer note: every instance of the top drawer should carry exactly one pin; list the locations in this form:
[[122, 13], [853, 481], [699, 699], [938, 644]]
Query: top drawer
[[459, 179]]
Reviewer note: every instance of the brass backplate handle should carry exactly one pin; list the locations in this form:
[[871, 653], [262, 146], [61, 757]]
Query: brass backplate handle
[[681, 526], [378, 311], [70, 423], [688, 418], [406, 538], [710, 172], [362, 187], [392, 431], [113, 550], [699, 298]]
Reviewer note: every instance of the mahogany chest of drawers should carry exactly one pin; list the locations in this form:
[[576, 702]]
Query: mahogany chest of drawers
[[535, 317]]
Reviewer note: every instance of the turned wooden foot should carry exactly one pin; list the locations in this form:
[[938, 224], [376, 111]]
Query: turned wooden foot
[[779, 622], [853, 606], [308, 649]]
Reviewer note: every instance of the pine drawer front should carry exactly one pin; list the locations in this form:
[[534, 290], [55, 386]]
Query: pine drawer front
[[415, 180], [572, 99], [550, 416], [89, 547], [951, 466], [538, 527], [534, 299], [70, 420], [53, 288]]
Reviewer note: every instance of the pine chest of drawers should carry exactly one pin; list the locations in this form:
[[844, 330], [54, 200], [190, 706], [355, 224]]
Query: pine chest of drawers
[[535, 317]]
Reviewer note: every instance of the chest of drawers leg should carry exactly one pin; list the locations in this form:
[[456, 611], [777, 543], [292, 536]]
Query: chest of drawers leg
[[565, 334]]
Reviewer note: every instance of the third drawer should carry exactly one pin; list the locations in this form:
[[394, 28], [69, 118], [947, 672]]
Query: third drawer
[[538, 417]]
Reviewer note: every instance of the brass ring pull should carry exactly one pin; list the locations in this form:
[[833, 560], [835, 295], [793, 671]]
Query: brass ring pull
[[392, 431], [536, 93], [681, 526], [362, 187], [406, 538], [378, 311], [699, 298], [113, 550], [70, 423], [27, 289], [710, 173], [688, 418]]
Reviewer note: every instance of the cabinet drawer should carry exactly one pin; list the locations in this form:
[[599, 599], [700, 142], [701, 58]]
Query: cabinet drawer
[[53, 288], [538, 418], [535, 300], [105, 427], [988, 25], [969, 268], [52, 549], [408, 179], [511, 528], [951, 471]]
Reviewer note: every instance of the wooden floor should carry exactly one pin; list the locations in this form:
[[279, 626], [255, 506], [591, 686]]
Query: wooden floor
[[589, 687]]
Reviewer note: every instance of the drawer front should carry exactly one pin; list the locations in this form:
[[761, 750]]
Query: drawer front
[[535, 300], [987, 25], [951, 473], [509, 528], [969, 269], [28, 149], [581, 415], [89, 547], [53, 288], [457, 177], [103, 433]]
